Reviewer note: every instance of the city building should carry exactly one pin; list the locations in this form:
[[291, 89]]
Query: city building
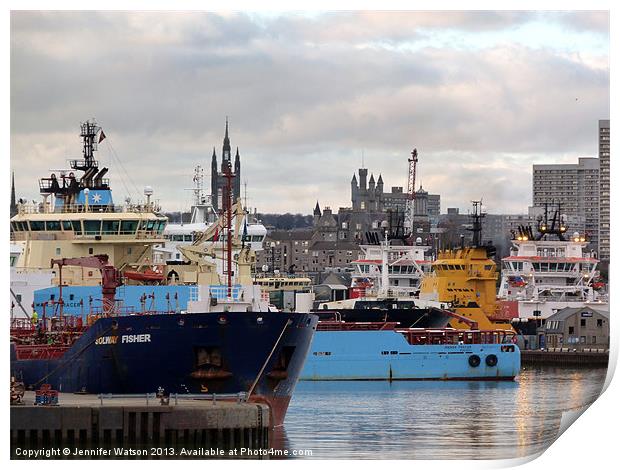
[[577, 328], [604, 176], [218, 178], [575, 187]]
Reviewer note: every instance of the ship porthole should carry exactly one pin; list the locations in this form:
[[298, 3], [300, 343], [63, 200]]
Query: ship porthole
[[474, 360], [491, 360]]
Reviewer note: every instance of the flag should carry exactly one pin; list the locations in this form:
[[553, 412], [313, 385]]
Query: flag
[[216, 235], [101, 136]]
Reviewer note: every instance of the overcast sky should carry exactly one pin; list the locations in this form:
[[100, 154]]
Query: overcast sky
[[482, 95]]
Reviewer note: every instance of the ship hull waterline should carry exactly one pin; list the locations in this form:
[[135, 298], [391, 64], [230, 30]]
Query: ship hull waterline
[[386, 355]]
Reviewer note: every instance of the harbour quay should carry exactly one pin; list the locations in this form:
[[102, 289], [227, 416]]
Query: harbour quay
[[565, 356], [142, 426]]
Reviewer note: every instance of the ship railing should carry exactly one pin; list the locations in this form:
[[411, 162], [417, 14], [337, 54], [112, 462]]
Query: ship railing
[[40, 208], [165, 399], [391, 292], [41, 351], [79, 164]]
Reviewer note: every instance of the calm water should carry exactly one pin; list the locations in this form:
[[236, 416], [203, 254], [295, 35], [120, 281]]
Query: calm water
[[436, 420]]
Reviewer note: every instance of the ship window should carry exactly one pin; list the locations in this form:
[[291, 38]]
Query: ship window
[[90, 251], [187, 238], [36, 226], [66, 225], [128, 227], [23, 226], [77, 227], [92, 227], [14, 226], [57, 251], [52, 225], [150, 225], [110, 227]]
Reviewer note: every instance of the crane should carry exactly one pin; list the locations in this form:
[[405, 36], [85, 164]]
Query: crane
[[410, 207], [110, 277]]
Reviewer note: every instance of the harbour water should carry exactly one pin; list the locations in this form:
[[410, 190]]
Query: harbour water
[[436, 420]]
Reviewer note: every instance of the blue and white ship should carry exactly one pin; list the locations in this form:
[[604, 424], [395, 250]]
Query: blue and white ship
[[387, 337]]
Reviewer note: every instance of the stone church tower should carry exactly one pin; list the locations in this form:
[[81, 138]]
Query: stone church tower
[[218, 180]]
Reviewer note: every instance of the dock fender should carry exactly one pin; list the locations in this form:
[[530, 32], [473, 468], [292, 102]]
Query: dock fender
[[474, 360], [491, 360]]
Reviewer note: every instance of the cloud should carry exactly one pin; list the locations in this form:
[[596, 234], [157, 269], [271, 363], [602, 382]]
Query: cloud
[[306, 96]]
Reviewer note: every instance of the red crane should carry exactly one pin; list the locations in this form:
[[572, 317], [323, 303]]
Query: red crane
[[110, 278], [410, 208]]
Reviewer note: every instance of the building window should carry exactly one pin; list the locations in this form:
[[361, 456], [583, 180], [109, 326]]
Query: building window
[[583, 322], [571, 330], [593, 339], [582, 339], [599, 323]]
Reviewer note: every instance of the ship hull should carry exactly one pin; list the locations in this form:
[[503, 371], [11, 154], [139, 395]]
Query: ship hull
[[182, 353], [383, 312], [386, 355]]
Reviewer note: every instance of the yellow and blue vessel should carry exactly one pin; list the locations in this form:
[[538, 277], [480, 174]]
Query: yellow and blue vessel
[[453, 331]]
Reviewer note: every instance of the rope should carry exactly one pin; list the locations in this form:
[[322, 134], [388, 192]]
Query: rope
[[124, 170], [260, 373]]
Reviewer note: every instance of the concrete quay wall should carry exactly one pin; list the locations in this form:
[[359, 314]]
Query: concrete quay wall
[[83, 422]]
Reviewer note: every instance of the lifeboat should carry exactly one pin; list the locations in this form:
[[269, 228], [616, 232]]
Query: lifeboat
[[147, 275]]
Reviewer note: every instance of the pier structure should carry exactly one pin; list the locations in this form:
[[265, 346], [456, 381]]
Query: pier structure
[[209, 426]]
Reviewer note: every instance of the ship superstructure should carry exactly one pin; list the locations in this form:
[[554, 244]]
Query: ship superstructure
[[466, 279], [549, 270], [406, 265], [78, 217]]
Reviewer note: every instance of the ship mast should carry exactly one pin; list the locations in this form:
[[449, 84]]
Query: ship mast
[[229, 175]]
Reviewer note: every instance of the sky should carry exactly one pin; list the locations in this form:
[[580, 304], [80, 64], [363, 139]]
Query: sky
[[482, 95]]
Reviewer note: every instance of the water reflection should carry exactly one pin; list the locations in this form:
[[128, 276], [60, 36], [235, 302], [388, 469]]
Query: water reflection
[[447, 420]]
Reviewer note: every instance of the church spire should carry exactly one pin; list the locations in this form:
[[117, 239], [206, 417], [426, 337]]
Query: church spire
[[226, 146], [317, 209], [13, 202]]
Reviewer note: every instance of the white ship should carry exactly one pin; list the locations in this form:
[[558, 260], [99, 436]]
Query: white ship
[[77, 217], [550, 270], [406, 265]]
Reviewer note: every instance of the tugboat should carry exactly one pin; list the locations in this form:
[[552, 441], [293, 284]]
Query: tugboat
[[440, 337], [229, 340]]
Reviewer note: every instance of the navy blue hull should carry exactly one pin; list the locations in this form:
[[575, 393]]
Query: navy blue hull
[[183, 353]]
